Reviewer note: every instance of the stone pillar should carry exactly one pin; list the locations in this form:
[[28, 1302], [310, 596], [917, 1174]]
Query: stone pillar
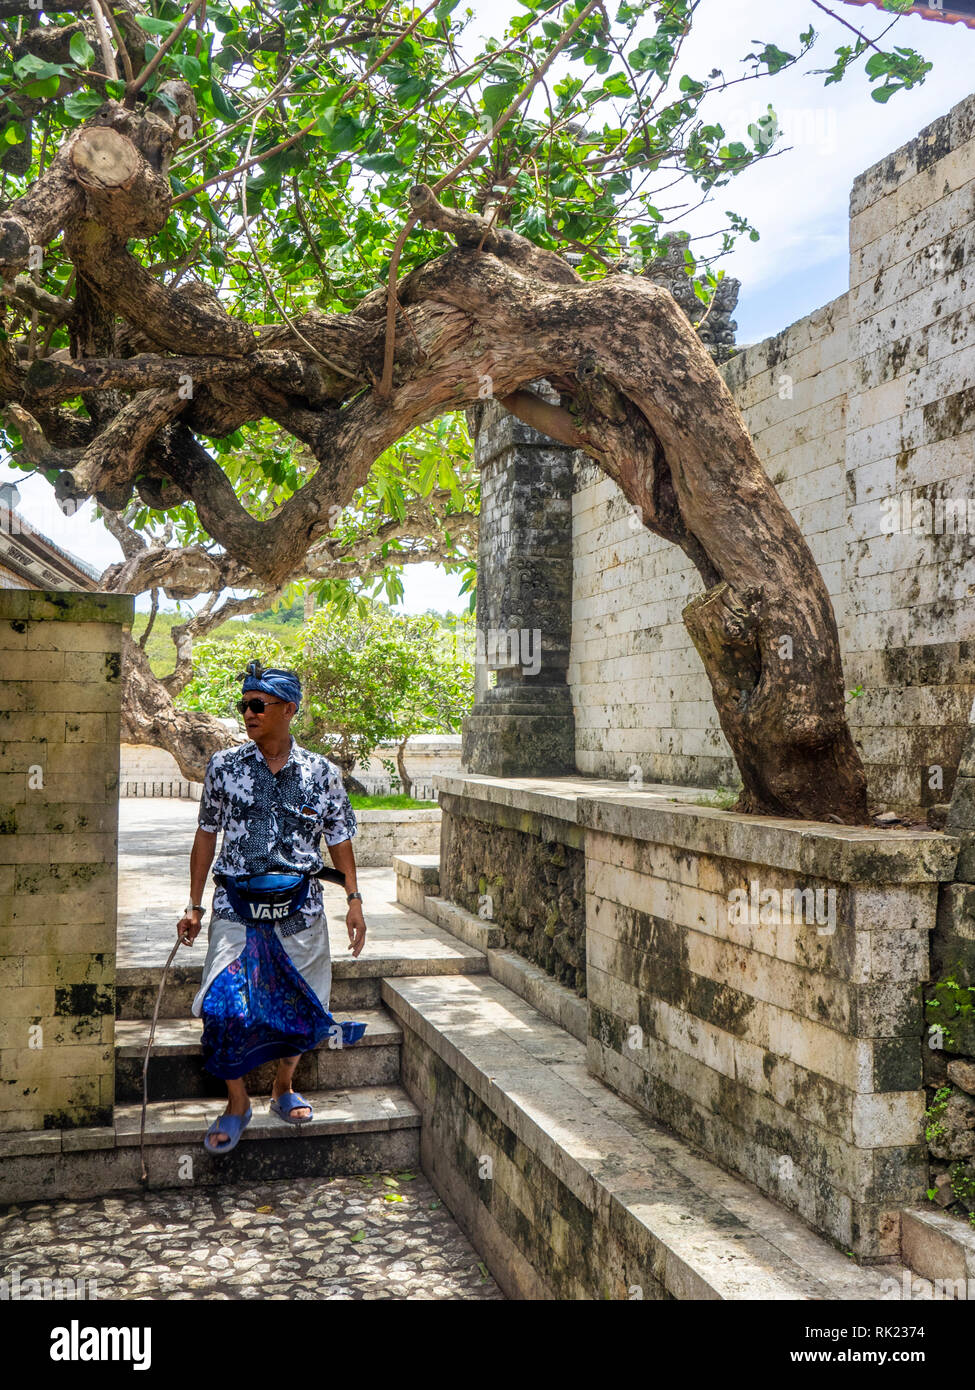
[[524, 725], [60, 667]]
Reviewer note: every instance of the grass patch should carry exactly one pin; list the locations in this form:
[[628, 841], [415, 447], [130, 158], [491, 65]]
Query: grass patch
[[395, 802], [721, 799]]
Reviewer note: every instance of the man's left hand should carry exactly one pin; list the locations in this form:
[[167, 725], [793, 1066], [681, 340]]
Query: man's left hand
[[356, 927]]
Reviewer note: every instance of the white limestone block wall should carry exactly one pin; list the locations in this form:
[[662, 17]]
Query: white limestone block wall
[[910, 622], [869, 398], [755, 986]]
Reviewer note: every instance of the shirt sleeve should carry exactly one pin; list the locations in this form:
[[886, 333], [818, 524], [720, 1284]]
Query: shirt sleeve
[[211, 802], [340, 823]]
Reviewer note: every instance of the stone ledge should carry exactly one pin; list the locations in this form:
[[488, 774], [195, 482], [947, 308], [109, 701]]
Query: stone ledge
[[180, 1037], [938, 1246], [666, 815], [467, 926], [353, 1129], [708, 1233], [842, 854], [420, 868], [531, 983], [66, 606]]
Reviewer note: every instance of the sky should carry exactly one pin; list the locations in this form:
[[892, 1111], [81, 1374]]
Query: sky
[[798, 200]]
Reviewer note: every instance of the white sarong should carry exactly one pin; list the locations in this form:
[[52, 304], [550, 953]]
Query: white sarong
[[307, 949]]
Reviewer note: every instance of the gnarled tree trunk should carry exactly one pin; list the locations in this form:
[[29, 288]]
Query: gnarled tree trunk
[[150, 717], [639, 393]]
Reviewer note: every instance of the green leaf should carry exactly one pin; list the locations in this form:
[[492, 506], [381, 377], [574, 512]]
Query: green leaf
[[617, 86], [14, 134], [32, 66], [155, 26], [408, 92], [222, 102], [345, 133], [80, 105], [189, 67], [498, 96], [381, 163], [167, 101], [774, 57], [325, 122], [884, 94], [43, 90], [81, 51]]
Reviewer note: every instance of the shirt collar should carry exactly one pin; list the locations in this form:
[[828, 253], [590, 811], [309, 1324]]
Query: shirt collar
[[294, 753]]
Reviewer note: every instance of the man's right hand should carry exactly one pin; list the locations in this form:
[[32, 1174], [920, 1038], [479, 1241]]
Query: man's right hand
[[189, 926]]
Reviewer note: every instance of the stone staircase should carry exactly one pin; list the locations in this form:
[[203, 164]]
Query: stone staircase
[[363, 1118], [471, 1051], [516, 1041]]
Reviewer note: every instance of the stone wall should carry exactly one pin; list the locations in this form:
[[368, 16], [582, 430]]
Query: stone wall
[[525, 873], [425, 754], [542, 1242], [780, 1035], [867, 401], [384, 834], [59, 758]]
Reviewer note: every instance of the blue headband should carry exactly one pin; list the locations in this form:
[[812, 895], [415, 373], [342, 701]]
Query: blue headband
[[275, 682]]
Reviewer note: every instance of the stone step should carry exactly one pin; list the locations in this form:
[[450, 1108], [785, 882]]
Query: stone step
[[176, 1069], [613, 1199], [361, 1130], [354, 1131], [940, 1248], [466, 926], [355, 983], [563, 1006]]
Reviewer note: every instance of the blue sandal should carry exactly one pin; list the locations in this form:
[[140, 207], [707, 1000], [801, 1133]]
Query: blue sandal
[[291, 1100], [234, 1125]]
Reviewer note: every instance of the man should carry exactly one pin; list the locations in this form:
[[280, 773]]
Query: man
[[268, 973]]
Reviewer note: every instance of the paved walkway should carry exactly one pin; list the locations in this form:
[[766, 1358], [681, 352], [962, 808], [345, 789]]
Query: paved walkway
[[370, 1237], [155, 837], [375, 1236]]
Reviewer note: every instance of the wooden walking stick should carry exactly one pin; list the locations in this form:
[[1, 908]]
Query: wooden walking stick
[[181, 941]]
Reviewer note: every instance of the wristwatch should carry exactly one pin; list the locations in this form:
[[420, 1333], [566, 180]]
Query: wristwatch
[[355, 895], [195, 907]]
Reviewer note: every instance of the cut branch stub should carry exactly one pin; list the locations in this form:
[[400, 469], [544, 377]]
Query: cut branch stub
[[101, 158], [723, 628], [122, 190], [15, 242]]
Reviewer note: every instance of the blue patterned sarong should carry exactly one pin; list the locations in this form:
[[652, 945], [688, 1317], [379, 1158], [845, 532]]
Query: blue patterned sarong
[[260, 1008]]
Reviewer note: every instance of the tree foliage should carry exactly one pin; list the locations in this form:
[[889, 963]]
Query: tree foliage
[[232, 314]]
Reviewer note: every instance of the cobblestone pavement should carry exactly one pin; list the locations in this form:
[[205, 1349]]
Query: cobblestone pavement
[[311, 1238]]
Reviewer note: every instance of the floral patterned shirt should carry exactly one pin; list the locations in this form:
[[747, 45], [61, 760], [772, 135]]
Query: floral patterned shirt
[[264, 830]]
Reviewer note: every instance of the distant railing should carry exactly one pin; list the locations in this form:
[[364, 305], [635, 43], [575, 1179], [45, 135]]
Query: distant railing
[[191, 791], [422, 789]]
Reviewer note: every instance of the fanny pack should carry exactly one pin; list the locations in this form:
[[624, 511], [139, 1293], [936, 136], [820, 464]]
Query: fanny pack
[[266, 897]]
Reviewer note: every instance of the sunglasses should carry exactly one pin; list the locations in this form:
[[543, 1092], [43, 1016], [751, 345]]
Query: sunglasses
[[258, 706]]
